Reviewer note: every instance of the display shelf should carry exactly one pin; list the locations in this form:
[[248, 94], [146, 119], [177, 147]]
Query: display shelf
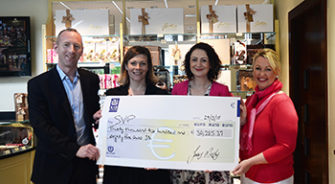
[[168, 39], [261, 37], [181, 37], [89, 64], [163, 47], [92, 64], [111, 36], [15, 123], [162, 41], [161, 37], [244, 35], [242, 94], [236, 67], [15, 137]]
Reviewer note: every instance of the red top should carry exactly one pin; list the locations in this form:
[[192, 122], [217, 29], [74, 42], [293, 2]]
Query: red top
[[217, 89], [275, 133]]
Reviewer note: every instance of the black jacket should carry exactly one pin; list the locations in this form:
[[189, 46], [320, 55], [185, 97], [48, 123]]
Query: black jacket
[[51, 117], [123, 90]]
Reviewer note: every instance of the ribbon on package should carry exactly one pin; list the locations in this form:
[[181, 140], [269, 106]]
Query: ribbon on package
[[68, 19], [144, 18], [248, 15], [176, 54], [212, 18]]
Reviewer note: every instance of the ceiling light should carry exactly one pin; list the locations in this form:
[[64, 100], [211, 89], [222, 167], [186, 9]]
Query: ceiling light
[[65, 5], [119, 9], [166, 5]]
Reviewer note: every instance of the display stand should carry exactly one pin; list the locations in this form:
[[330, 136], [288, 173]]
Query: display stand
[[16, 152], [163, 41]]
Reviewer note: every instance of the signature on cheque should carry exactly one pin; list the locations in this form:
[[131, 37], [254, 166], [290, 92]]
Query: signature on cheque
[[200, 153]]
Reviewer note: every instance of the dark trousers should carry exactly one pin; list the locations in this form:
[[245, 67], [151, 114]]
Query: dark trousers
[[85, 171]]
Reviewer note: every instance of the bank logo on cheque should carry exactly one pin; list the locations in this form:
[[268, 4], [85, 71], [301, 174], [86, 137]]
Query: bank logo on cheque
[[110, 151], [114, 104]]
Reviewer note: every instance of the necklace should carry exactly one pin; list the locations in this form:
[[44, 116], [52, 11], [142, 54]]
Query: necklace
[[132, 92], [204, 91]]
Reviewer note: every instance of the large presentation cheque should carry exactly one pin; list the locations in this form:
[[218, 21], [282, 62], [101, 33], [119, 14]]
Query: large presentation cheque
[[170, 132]]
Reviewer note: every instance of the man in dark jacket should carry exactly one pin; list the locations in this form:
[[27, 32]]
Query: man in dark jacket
[[62, 102]]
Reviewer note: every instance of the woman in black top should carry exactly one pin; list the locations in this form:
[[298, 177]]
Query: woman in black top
[[137, 78]]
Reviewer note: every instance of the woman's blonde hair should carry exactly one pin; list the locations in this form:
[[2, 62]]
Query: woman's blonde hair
[[272, 56]]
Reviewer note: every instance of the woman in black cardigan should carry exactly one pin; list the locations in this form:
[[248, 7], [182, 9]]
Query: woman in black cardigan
[[137, 78]]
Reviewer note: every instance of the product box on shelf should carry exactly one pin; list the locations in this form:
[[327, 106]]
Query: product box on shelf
[[253, 49], [163, 75], [108, 81], [225, 78], [177, 54], [52, 56], [156, 21], [245, 80], [155, 52], [239, 51], [95, 50], [221, 47], [86, 21], [255, 18], [115, 68], [179, 78], [89, 53], [101, 50], [218, 19], [21, 106]]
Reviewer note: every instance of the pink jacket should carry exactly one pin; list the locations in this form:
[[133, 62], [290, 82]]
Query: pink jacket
[[216, 90]]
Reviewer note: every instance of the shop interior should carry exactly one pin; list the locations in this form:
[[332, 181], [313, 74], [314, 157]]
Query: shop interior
[[299, 30]]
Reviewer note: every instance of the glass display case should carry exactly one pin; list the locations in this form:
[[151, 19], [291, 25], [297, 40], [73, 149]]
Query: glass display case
[[15, 137]]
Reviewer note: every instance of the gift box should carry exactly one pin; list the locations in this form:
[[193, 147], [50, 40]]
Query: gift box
[[225, 78], [239, 50], [221, 47], [21, 106], [253, 49], [113, 50], [101, 50], [177, 54], [255, 18], [246, 81], [218, 19], [156, 21], [87, 22], [155, 52], [89, 51], [50, 56]]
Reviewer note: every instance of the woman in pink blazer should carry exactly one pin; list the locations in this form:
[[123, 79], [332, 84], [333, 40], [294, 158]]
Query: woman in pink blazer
[[202, 66]]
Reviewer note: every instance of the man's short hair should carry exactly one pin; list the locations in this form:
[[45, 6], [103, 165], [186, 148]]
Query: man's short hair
[[64, 30]]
